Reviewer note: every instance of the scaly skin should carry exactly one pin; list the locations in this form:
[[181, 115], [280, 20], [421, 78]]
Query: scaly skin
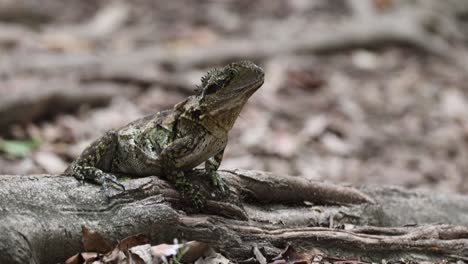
[[170, 143]]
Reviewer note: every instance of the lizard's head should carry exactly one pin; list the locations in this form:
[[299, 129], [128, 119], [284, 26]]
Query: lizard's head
[[224, 91]]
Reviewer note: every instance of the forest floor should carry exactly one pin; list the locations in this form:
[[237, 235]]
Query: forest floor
[[362, 92], [384, 114]]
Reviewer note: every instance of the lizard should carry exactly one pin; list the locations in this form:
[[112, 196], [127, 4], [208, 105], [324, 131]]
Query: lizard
[[173, 142]]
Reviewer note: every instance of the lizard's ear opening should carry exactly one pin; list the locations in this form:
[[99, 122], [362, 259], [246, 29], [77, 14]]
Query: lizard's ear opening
[[210, 89], [200, 89]]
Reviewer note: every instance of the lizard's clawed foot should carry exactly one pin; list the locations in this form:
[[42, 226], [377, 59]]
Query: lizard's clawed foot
[[218, 182], [194, 198], [81, 179], [197, 200], [190, 194], [103, 181]]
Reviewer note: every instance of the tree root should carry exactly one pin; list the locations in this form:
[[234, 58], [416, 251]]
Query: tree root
[[42, 217]]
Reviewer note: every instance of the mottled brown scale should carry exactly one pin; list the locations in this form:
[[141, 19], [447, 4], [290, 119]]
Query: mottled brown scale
[[172, 142]]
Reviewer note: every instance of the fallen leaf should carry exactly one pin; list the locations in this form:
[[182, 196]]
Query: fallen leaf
[[305, 80], [365, 60], [383, 4], [94, 242], [212, 258], [75, 259], [286, 144], [335, 144], [337, 260], [290, 256], [315, 126], [19, 148], [115, 256], [165, 250], [133, 241], [454, 104], [194, 251], [249, 261], [82, 258], [141, 254]]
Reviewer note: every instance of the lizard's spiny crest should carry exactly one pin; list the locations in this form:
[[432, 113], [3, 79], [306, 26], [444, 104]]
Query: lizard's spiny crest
[[205, 79]]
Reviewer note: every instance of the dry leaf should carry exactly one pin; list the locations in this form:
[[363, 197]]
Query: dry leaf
[[213, 258], [132, 241], [194, 251], [82, 258], [290, 256], [94, 242], [141, 255], [165, 250], [115, 256]]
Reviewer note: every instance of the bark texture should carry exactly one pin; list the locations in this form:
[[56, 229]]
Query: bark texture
[[41, 217]]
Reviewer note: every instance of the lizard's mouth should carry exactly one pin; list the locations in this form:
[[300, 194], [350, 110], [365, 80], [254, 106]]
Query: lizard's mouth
[[251, 87]]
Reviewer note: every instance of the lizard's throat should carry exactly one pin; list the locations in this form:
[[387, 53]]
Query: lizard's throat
[[223, 119]]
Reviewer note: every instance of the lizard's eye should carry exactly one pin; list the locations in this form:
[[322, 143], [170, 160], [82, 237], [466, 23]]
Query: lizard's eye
[[212, 88], [233, 72]]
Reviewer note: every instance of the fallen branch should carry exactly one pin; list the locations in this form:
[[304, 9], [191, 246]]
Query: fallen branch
[[27, 103], [42, 215]]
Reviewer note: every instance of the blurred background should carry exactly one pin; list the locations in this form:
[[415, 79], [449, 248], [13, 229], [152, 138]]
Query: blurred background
[[365, 92]]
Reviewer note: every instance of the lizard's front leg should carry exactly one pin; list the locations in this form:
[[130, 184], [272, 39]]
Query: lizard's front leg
[[95, 158], [186, 188], [91, 173], [170, 156], [211, 168]]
